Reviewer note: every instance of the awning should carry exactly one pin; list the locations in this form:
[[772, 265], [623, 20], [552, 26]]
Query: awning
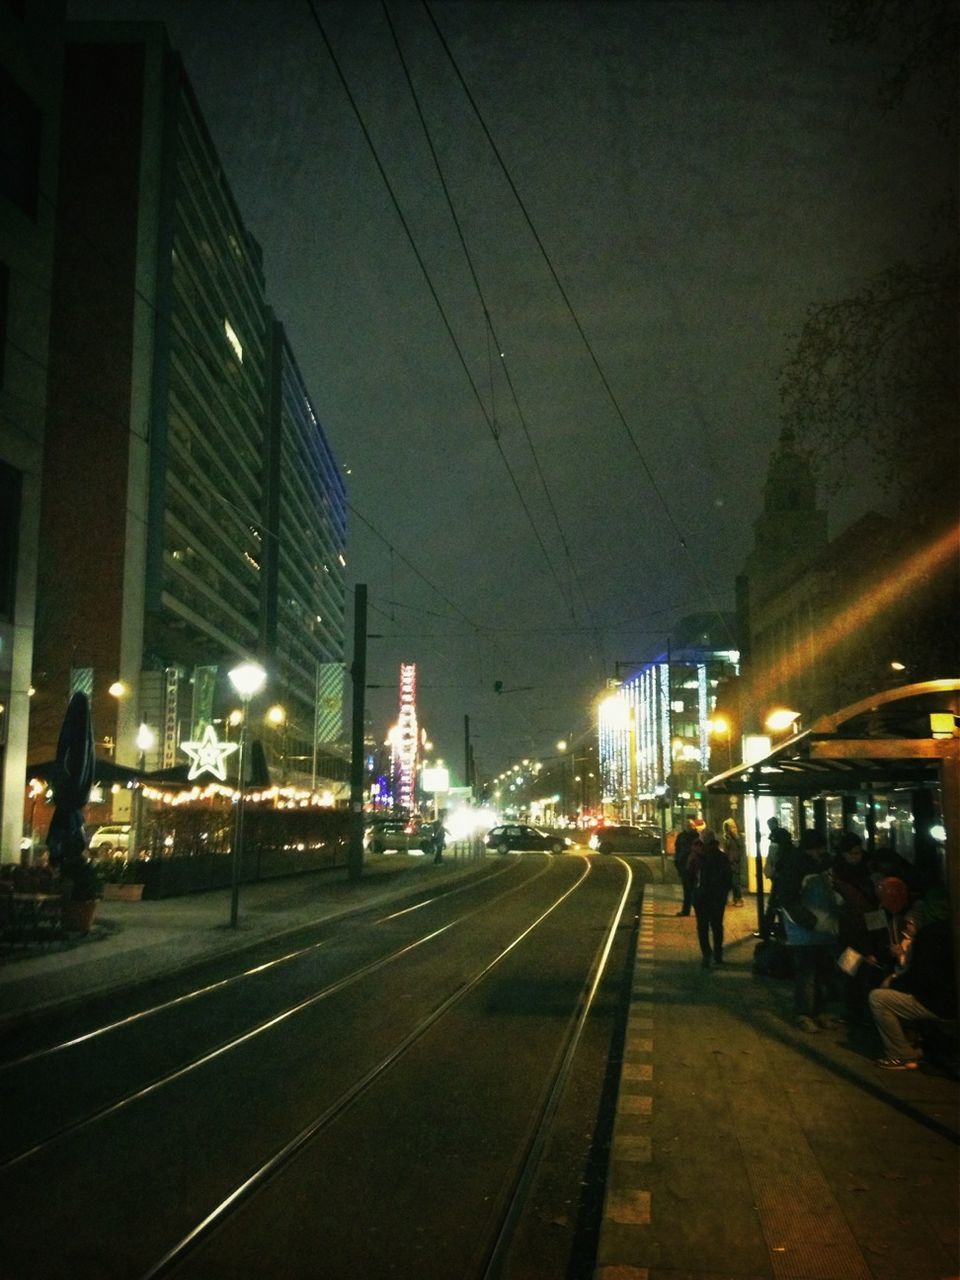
[[882, 742]]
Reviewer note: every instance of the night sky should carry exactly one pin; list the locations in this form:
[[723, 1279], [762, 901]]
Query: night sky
[[697, 176]]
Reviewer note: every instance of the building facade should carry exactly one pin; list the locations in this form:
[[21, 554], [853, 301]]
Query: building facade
[[655, 727], [192, 511], [31, 49]]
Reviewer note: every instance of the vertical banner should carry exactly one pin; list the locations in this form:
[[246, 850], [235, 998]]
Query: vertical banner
[[204, 687], [407, 736], [329, 709], [81, 681], [168, 738]]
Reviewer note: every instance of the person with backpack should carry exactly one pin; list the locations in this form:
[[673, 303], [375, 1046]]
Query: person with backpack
[[681, 860], [710, 876]]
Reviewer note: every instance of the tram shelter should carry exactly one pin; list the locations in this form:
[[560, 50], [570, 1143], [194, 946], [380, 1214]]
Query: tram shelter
[[904, 740]]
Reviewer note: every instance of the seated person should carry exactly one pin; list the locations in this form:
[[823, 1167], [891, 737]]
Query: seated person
[[925, 991]]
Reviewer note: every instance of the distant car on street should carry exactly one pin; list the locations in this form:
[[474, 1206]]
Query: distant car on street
[[624, 839], [110, 838], [517, 836], [396, 834]]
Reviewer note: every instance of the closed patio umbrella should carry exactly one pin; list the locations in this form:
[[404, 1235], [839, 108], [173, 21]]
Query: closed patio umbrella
[[71, 782]]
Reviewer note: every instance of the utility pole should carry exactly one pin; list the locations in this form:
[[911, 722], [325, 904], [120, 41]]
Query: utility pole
[[359, 674], [467, 762]]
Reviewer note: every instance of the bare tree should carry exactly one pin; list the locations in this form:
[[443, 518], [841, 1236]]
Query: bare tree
[[880, 369]]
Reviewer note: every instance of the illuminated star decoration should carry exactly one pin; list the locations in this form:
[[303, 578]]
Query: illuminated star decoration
[[208, 755]]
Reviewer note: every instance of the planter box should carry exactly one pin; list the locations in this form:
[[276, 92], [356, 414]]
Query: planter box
[[77, 917], [122, 892]]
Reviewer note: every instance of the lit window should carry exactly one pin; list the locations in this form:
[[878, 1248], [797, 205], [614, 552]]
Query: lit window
[[233, 340]]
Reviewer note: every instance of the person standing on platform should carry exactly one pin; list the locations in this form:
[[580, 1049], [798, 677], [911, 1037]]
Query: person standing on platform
[[681, 860], [710, 876], [732, 846]]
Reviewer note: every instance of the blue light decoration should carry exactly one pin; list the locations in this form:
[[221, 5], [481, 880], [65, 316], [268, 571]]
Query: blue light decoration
[[703, 706]]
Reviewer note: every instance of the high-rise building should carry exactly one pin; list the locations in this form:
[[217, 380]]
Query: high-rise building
[[192, 510], [31, 49]]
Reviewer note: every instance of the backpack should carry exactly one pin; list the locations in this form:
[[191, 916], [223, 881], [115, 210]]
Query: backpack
[[715, 875]]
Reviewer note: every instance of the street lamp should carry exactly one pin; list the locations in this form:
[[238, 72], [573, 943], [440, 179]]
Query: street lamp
[[781, 719], [719, 727], [247, 679]]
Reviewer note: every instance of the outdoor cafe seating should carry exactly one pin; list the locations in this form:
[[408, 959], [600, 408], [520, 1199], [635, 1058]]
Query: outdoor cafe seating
[[30, 905]]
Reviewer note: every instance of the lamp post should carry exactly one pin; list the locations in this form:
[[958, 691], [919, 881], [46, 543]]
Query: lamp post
[[719, 727], [247, 679], [145, 740], [564, 800]]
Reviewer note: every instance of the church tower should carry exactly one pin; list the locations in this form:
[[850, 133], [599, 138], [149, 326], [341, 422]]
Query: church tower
[[790, 531]]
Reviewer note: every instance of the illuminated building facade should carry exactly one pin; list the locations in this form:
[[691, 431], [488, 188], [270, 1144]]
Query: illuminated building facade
[[214, 514], [654, 726]]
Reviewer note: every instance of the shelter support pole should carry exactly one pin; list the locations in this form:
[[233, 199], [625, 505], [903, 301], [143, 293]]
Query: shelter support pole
[[359, 673], [950, 799], [758, 858]]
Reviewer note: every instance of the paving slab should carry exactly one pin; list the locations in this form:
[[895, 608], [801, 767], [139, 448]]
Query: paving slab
[[748, 1148]]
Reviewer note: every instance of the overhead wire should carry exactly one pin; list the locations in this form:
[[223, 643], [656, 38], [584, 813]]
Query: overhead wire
[[491, 329], [433, 293], [588, 346]]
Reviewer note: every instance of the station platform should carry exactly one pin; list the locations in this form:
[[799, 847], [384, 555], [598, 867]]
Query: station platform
[[745, 1147]]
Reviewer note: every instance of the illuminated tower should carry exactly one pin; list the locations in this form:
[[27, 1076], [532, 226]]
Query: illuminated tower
[[407, 737]]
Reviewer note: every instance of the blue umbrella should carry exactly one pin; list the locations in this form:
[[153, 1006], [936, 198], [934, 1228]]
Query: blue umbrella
[[72, 780]]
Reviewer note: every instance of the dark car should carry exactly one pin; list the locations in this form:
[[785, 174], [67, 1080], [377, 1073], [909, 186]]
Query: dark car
[[517, 836], [626, 840]]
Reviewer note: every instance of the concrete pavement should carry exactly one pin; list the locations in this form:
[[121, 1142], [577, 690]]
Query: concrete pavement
[[745, 1147]]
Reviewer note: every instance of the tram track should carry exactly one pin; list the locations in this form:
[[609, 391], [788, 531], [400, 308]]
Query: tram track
[[234, 1042], [222, 984], [497, 1251], [260, 1171]]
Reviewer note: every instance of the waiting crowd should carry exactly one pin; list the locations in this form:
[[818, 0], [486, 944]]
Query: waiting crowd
[[832, 919]]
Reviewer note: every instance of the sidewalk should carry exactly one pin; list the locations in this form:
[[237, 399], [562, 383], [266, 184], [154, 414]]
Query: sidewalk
[[744, 1147], [134, 942]]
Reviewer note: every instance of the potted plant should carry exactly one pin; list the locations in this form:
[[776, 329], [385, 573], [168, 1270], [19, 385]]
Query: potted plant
[[123, 880], [81, 887]]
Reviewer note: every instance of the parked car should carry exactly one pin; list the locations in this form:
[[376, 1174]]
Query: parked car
[[394, 833], [644, 839], [110, 838], [517, 836]]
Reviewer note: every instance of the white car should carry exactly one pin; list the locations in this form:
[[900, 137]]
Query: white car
[[110, 839]]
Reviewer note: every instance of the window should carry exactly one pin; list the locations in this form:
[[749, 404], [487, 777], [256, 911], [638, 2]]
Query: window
[[20, 128]]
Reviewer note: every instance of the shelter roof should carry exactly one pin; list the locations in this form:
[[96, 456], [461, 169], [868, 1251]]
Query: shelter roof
[[881, 742]]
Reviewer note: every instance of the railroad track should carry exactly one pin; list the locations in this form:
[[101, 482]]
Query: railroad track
[[183, 1249]]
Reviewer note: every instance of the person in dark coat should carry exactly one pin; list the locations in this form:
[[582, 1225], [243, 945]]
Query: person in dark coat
[[710, 875], [780, 852], [810, 909], [439, 840], [681, 858], [926, 991], [860, 941]]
